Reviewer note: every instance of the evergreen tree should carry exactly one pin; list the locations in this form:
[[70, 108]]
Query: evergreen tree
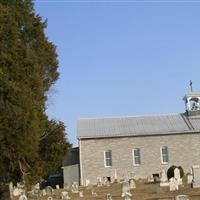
[[28, 68]]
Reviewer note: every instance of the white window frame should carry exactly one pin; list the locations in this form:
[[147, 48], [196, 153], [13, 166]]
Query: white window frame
[[133, 152], [105, 165], [161, 154]]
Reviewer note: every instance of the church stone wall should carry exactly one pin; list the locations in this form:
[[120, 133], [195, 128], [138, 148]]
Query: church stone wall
[[183, 150]]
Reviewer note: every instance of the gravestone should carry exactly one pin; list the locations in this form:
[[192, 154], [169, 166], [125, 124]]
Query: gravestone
[[126, 189], [87, 182], [108, 196], [65, 195], [177, 176], [163, 179], [150, 179], [81, 194], [173, 184], [182, 197], [49, 190], [74, 187], [94, 194], [57, 187], [11, 189], [189, 178], [23, 197], [115, 176], [44, 193], [132, 184], [196, 176], [99, 182]]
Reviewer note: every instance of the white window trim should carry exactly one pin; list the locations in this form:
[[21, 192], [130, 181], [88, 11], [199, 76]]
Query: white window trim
[[105, 158], [134, 164], [162, 162]]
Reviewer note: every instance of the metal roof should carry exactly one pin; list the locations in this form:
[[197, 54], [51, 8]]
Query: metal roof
[[137, 126]]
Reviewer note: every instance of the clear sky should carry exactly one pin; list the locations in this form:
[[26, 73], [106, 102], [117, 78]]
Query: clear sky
[[120, 58]]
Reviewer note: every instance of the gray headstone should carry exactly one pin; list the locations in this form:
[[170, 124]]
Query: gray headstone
[[182, 197]]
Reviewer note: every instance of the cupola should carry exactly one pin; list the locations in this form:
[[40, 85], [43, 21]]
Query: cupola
[[192, 102]]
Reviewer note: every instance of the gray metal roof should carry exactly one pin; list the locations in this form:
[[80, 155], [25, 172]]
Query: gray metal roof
[[136, 126]]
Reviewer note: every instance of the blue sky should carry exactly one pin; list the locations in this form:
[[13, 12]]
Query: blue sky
[[121, 58]]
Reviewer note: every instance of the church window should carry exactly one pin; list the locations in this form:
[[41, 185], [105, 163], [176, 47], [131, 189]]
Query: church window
[[108, 158], [164, 155], [136, 157]]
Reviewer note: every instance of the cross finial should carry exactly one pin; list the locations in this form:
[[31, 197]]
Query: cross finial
[[190, 85]]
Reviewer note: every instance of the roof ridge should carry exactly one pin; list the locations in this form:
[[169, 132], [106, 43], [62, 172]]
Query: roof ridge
[[130, 116]]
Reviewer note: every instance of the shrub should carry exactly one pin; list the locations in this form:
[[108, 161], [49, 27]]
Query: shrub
[[170, 171]]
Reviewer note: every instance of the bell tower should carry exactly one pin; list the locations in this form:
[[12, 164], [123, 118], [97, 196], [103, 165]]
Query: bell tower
[[192, 102]]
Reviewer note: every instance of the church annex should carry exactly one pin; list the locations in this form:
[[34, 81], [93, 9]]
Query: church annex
[[139, 145]]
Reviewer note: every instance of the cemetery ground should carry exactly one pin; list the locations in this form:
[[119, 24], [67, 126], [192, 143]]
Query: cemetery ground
[[143, 191]]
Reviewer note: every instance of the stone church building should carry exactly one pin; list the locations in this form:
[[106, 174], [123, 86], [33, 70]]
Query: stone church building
[[139, 145]]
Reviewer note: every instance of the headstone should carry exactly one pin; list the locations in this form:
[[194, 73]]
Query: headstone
[[196, 176], [150, 179], [189, 178], [17, 191], [177, 176], [108, 196], [49, 190], [57, 187], [173, 184], [163, 179], [99, 182], [87, 182], [94, 194], [126, 189], [11, 189], [65, 195], [81, 194], [44, 192], [74, 187], [115, 176], [23, 197], [182, 197], [132, 184], [106, 182]]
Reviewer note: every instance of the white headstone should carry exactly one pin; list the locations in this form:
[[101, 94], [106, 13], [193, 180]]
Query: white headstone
[[65, 195], [189, 178], [11, 189], [177, 176], [173, 184], [17, 191], [115, 175], [132, 184], [108, 196], [81, 194], [150, 179], [99, 182], [126, 189], [87, 182], [23, 197], [94, 194], [44, 192], [74, 187], [163, 179], [57, 187], [196, 176]]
